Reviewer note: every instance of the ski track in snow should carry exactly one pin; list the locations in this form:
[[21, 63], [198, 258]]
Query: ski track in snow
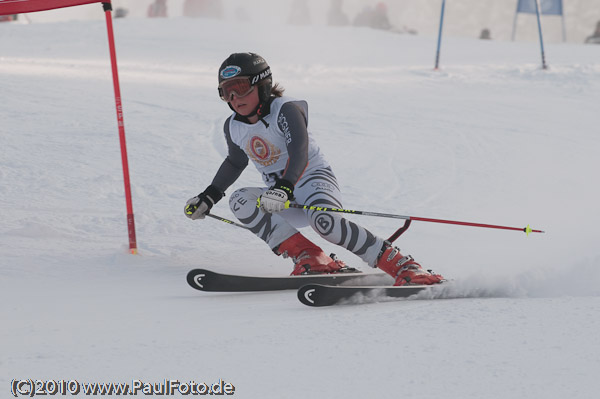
[[489, 138]]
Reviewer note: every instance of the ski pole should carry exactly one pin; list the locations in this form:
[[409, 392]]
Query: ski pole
[[226, 220], [527, 229]]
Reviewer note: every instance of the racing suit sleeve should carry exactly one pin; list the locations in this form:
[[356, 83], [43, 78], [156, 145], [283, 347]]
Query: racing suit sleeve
[[292, 121], [233, 165]]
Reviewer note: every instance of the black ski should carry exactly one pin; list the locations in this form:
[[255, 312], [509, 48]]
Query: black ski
[[206, 280], [327, 295]]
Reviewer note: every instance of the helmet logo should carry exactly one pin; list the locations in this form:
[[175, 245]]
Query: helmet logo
[[230, 71], [264, 74]]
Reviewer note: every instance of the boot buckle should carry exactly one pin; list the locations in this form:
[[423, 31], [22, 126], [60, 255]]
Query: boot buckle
[[404, 260], [392, 254]]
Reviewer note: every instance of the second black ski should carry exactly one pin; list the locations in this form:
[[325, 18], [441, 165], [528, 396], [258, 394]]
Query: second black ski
[[327, 295]]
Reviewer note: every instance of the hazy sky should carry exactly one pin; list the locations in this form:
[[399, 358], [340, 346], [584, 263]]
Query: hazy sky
[[463, 17]]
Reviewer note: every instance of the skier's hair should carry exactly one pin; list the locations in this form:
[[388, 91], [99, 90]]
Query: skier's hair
[[277, 90]]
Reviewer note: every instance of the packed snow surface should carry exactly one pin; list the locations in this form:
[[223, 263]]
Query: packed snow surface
[[489, 138]]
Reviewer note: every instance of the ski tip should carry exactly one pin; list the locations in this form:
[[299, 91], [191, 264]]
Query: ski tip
[[196, 279], [307, 294]]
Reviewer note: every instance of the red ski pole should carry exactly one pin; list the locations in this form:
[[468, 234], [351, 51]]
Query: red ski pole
[[527, 229]]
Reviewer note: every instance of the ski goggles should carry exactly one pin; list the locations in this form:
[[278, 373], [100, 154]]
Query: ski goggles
[[241, 87]]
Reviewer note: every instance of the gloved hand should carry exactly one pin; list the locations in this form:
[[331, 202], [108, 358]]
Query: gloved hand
[[199, 206], [275, 198]]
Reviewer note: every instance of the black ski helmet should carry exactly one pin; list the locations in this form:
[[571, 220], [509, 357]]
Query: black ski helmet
[[250, 65]]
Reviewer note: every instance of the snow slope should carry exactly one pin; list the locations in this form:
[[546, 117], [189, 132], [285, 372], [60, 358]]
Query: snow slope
[[489, 138]]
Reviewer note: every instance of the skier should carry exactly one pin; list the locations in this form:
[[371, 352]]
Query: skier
[[271, 130], [158, 9]]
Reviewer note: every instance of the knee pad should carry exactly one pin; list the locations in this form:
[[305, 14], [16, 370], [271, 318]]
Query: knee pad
[[242, 202]]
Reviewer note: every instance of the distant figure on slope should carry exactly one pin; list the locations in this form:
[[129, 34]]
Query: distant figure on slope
[[363, 18], [373, 17], [203, 8], [158, 9], [485, 34], [8, 18], [271, 130], [595, 37], [121, 12], [380, 19], [335, 15]]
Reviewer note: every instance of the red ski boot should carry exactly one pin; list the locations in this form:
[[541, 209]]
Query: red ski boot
[[404, 268], [309, 258]]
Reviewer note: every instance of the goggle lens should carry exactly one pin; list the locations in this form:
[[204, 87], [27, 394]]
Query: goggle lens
[[240, 87]]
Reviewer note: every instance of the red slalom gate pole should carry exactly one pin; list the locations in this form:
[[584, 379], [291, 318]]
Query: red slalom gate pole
[[113, 60], [527, 229]]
